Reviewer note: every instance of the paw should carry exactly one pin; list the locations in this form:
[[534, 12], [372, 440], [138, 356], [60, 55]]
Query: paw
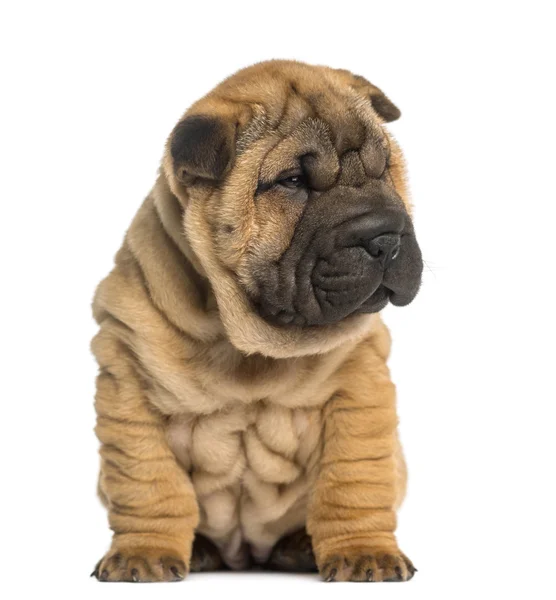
[[293, 553], [366, 565], [140, 565], [205, 556]]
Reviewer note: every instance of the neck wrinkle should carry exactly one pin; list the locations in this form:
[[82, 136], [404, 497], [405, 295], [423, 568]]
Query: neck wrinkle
[[170, 212]]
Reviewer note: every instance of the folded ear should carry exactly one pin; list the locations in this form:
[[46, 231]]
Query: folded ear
[[202, 146], [383, 106]]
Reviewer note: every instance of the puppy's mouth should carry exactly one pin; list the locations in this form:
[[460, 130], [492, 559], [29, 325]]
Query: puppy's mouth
[[284, 317], [351, 282]]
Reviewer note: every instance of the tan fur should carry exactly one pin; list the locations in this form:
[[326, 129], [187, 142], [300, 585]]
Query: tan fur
[[212, 420]]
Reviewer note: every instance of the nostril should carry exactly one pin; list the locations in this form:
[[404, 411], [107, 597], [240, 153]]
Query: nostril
[[385, 247]]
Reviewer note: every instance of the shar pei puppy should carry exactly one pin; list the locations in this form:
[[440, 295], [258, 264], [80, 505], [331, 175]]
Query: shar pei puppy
[[246, 414]]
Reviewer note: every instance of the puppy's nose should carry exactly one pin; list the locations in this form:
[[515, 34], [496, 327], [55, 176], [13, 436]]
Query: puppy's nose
[[379, 232], [385, 248]]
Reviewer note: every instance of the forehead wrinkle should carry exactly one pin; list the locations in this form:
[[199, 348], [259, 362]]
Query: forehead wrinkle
[[340, 110], [302, 109], [356, 130], [254, 131], [264, 159], [268, 119], [363, 108], [375, 150], [308, 138], [336, 109], [296, 112]]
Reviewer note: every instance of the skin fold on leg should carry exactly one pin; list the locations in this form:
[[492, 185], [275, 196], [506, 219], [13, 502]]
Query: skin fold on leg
[[362, 476], [151, 503]]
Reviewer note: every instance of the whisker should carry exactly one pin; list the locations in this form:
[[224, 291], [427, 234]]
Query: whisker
[[429, 268]]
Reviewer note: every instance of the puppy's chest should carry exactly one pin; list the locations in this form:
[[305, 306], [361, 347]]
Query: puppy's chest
[[271, 441], [251, 467]]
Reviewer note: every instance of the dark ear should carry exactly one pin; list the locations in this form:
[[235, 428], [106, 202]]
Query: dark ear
[[383, 106], [202, 146]]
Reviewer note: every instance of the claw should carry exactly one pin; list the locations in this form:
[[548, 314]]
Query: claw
[[399, 574], [410, 569], [134, 575], [332, 575], [104, 575], [95, 571], [370, 575], [176, 573]]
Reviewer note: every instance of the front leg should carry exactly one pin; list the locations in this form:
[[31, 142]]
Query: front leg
[[361, 479], [151, 503]]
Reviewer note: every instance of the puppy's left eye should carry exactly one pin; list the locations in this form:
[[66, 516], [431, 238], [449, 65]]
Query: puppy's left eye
[[294, 181]]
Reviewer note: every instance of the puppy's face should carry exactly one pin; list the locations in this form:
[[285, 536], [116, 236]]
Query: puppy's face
[[295, 205]]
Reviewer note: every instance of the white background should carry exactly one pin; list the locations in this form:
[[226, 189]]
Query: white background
[[90, 92]]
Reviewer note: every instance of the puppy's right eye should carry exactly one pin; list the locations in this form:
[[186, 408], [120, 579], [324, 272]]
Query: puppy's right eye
[[292, 182]]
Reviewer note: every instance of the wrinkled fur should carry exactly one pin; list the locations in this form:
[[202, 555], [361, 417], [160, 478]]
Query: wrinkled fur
[[212, 420]]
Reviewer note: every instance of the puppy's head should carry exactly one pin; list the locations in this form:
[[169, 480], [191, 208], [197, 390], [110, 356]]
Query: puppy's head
[[295, 205]]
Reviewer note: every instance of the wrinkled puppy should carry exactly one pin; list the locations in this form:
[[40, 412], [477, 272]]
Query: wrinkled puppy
[[245, 409]]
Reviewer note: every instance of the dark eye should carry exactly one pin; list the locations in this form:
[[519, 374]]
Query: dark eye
[[295, 181]]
